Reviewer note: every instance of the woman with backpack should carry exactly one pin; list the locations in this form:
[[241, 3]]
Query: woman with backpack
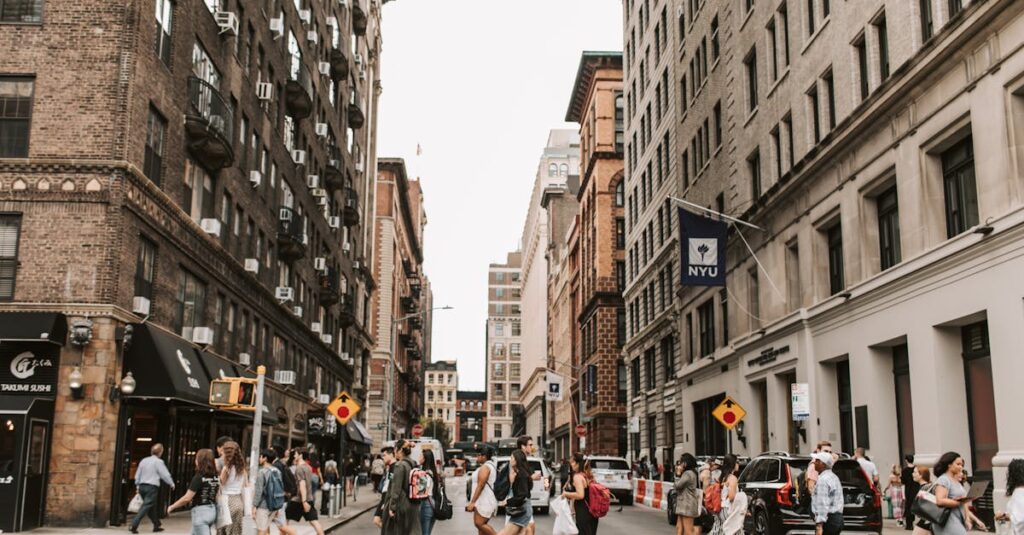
[[577, 489], [517, 506], [428, 507], [401, 515], [269, 497]]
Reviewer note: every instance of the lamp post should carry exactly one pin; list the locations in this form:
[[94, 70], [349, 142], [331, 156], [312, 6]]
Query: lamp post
[[393, 361]]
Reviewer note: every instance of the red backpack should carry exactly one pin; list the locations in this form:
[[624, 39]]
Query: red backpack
[[713, 498], [599, 500]]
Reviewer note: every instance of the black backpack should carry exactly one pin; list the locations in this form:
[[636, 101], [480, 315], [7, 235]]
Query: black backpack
[[502, 483], [291, 487]]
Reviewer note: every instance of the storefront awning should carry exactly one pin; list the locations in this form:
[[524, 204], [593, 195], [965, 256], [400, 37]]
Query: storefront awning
[[16, 404], [166, 366], [357, 433], [33, 327]]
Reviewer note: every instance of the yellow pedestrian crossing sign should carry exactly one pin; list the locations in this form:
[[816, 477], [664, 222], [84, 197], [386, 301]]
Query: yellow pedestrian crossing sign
[[729, 413], [344, 408]]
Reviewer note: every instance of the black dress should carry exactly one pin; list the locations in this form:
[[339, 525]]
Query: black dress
[[585, 522]]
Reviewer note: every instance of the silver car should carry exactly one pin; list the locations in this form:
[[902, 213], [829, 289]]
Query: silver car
[[539, 498], [614, 473]]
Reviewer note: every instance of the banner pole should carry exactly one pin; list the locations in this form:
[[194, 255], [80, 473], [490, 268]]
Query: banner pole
[[719, 214]]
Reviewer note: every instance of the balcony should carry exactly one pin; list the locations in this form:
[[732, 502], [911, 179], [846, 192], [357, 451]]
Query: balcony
[[350, 210], [291, 238], [208, 126], [356, 117], [359, 19], [334, 172], [410, 305], [415, 323], [298, 92], [415, 287], [414, 354], [347, 312], [329, 284], [409, 341], [339, 64]]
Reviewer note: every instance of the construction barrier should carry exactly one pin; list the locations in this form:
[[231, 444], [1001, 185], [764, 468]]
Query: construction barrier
[[651, 493]]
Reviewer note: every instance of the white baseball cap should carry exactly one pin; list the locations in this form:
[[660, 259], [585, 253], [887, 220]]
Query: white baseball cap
[[824, 457]]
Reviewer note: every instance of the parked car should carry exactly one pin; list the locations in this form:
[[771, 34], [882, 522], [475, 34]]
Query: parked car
[[614, 473], [780, 503]]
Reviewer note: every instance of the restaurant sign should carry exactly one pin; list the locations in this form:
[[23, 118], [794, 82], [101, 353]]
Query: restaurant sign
[[29, 369]]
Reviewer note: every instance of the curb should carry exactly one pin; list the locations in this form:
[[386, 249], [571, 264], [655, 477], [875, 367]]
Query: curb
[[351, 518]]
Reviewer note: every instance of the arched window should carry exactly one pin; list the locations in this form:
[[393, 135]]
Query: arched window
[[620, 193], [553, 170], [563, 170]]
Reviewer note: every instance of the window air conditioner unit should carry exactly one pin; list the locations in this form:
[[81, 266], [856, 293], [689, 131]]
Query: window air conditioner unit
[[299, 157], [359, 166], [327, 339], [312, 181], [321, 128], [343, 3], [345, 357], [252, 265], [358, 58], [297, 311], [284, 293], [202, 335], [210, 226], [313, 37], [318, 192], [244, 359], [323, 399], [321, 201], [362, 72], [305, 16], [357, 265], [284, 377], [285, 214], [332, 21], [334, 221], [347, 246], [255, 178], [320, 263], [140, 305], [305, 239], [277, 26], [325, 68], [311, 393], [264, 90], [316, 327], [227, 20]]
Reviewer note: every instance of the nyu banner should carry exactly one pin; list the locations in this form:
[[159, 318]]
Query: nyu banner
[[702, 243]]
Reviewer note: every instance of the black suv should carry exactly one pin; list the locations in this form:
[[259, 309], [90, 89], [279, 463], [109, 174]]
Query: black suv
[[779, 503]]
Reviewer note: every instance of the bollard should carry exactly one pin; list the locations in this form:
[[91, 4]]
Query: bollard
[[334, 507]]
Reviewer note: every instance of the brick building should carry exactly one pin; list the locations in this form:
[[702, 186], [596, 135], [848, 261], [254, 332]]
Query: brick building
[[471, 417], [504, 345], [597, 105], [183, 196], [401, 307]]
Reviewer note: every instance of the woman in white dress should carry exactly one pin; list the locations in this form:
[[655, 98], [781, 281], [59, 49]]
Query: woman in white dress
[[734, 502]]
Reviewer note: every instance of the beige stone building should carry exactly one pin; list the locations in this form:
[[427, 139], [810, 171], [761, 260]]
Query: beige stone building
[[440, 396], [876, 145], [504, 346]]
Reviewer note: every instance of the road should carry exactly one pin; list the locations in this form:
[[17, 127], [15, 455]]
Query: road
[[632, 519]]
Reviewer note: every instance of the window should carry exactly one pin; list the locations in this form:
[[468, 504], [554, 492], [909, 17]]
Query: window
[[927, 21], [197, 191], [954, 7], [552, 169], [649, 357], [753, 298], [784, 19], [620, 233], [888, 228], [162, 43], [156, 128], [500, 276], [862, 65], [15, 115], [787, 123], [499, 349], [145, 268], [516, 328], [748, 5], [793, 274], [621, 381], [750, 64], [23, 11], [815, 112], [714, 36], [191, 303], [717, 113], [883, 47], [515, 370], [834, 236], [620, 128], [668, 357], [706, 321], [754, 168], [514, 349], [773, 40], [830, 94], [499, 292], [959, 184], [777, 146], [620, 327], [904, 403], [620, 193], [10, 231], [499, 329], [563, 170], [845, 405], [499, 369], [981, 406]]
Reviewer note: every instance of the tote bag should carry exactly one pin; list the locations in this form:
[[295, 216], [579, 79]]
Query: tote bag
[[223, 511], [924, 507], [135, 505]]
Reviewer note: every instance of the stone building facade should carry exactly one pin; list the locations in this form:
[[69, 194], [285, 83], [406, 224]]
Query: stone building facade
[[504, 346], [183, 199], [598, 105], [441, 386]]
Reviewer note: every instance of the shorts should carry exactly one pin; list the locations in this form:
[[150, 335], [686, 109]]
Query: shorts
[[524, 519], [294, 512], [265, 517]]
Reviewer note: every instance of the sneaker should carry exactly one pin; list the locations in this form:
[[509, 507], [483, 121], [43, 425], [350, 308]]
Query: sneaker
[[133, 529], [157, 529]]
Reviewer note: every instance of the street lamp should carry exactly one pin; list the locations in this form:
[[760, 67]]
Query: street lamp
[[392, 361]]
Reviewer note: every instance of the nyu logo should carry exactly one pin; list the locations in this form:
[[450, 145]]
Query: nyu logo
[[703, 257], [24, 365]]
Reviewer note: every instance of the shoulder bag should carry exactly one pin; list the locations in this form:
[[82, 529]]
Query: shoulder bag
[[926, 508]]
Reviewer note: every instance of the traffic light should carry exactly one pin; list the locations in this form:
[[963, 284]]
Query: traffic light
[[237, 393]]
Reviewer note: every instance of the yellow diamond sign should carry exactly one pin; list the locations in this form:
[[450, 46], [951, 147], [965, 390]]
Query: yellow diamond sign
[[729, 413], [344, 408]]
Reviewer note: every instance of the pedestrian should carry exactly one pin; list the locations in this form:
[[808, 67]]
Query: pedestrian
[[655, 468], [233, 477], [867, 465], [350, 468], [923, 478], [827, 498], [219, 447], [315, 482], [483, 504], [401, 515], [150, 472], [377, 472], [300, 507], [331, 484], [910, 489], [895, 492], [950, 494], [977, 522], [428, 506], [644, 470], [1014, 513], [577, 489], [387, 457], [734, 502], [812, 473], [202, 494], [517, 506], [268, 507], [291, 488], [708, 473], [687, 495]]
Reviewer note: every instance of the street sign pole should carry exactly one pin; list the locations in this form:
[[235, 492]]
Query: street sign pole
[[257, 435]]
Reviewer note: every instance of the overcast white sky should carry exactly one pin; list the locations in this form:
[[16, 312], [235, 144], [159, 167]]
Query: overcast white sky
[[478, 84]]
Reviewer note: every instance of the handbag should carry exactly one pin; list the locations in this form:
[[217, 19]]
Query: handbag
[[135, 505], [515, 509], [223, 511], [924, 507]]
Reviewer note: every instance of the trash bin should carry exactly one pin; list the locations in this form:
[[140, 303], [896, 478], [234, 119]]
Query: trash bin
[[888, 507]]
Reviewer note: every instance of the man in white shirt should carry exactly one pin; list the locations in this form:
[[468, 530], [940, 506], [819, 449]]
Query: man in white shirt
[[827, 497], [869, 467], [150, 472]]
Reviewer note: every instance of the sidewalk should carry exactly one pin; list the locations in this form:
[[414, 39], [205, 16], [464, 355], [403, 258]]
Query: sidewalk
[[179, 523]]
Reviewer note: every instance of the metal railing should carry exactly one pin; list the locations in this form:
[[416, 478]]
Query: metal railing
[[207, 102]]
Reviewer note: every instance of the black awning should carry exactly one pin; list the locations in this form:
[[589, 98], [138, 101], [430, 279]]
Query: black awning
[[166, 366], [34, 327], [357, 433], [16, 404], [218, 367]]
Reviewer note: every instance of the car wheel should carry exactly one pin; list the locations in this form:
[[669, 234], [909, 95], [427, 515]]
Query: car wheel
[[761, 523]]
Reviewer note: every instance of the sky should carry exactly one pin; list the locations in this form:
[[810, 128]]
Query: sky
[[478, 84]]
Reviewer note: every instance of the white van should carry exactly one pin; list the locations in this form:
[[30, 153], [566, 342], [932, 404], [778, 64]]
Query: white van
[[422, 443]]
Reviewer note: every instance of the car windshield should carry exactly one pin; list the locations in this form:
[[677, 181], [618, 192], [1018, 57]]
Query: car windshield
[[608, 464]]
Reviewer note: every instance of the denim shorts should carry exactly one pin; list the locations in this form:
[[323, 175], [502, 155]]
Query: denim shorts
[[524, 519]]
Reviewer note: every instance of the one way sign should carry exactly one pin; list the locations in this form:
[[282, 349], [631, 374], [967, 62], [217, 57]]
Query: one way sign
[[729, 413], [344, 408]]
